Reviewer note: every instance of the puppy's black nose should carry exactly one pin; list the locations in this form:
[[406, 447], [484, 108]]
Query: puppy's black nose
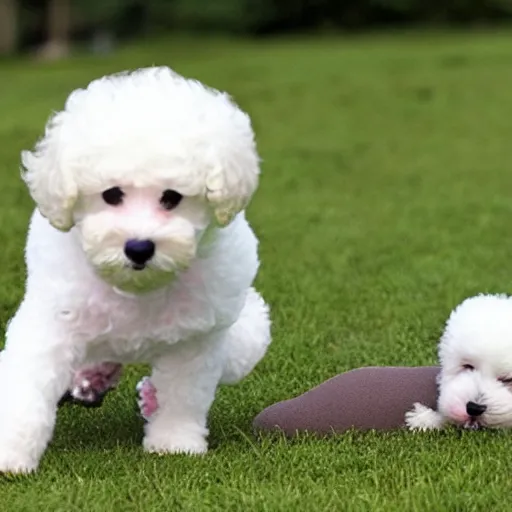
[[474, 409], [139, 251]]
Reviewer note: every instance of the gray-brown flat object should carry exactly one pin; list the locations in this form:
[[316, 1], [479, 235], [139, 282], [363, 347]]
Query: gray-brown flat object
[[362, 399]]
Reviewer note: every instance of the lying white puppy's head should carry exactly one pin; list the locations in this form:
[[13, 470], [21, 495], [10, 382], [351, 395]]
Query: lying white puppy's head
[[476, 358], [140, 165]]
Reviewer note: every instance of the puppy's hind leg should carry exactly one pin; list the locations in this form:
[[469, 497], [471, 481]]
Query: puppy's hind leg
[[247, 340], [92, 383]]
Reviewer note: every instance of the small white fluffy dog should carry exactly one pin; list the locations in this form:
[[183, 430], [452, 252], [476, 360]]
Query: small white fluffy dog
[[138, 251], [475, 382]]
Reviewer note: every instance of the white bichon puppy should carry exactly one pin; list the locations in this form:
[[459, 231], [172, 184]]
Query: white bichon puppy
[[138, 251], [475, 381]]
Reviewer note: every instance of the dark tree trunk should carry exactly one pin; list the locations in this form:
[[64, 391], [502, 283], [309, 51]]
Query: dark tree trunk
[[8, 26], [58, 28]]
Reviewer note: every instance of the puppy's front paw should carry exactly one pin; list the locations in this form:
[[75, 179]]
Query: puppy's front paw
[[423, 418], [146, 400], [176, 441], [16, 463]]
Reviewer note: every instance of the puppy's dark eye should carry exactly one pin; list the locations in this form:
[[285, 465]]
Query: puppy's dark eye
[[468, 367], [113, 196], [170, 199], [505, 380]]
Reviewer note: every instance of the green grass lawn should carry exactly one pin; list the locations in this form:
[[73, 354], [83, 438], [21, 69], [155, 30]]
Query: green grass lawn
[[386, 198]]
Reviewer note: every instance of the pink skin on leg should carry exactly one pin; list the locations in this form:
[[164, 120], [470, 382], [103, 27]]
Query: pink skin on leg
[[92, 383], [148, 403]]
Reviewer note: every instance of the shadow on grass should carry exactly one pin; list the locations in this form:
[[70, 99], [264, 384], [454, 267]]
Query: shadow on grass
[[116, 423]]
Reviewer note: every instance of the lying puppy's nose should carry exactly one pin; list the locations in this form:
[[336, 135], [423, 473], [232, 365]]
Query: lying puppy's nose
[[474, 409], [139, 251]]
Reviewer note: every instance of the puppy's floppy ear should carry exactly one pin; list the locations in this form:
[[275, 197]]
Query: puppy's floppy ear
[[231, 183], [51, 187], [229, 194]]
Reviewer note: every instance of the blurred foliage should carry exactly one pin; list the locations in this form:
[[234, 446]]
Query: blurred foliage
[[131, 18]]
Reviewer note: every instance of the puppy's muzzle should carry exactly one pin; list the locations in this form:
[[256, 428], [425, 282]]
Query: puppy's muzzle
[[139, 251], [474, 409]]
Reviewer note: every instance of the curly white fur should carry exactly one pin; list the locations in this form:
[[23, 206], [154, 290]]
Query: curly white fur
[[190, 310], [475, 382]]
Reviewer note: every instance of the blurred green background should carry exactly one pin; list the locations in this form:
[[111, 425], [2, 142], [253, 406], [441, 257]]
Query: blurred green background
[[49, 25]]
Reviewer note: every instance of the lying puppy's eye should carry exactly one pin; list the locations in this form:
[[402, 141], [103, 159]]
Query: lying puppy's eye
[[468, 367], [113, 196], [505, 380], [170, 199]]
